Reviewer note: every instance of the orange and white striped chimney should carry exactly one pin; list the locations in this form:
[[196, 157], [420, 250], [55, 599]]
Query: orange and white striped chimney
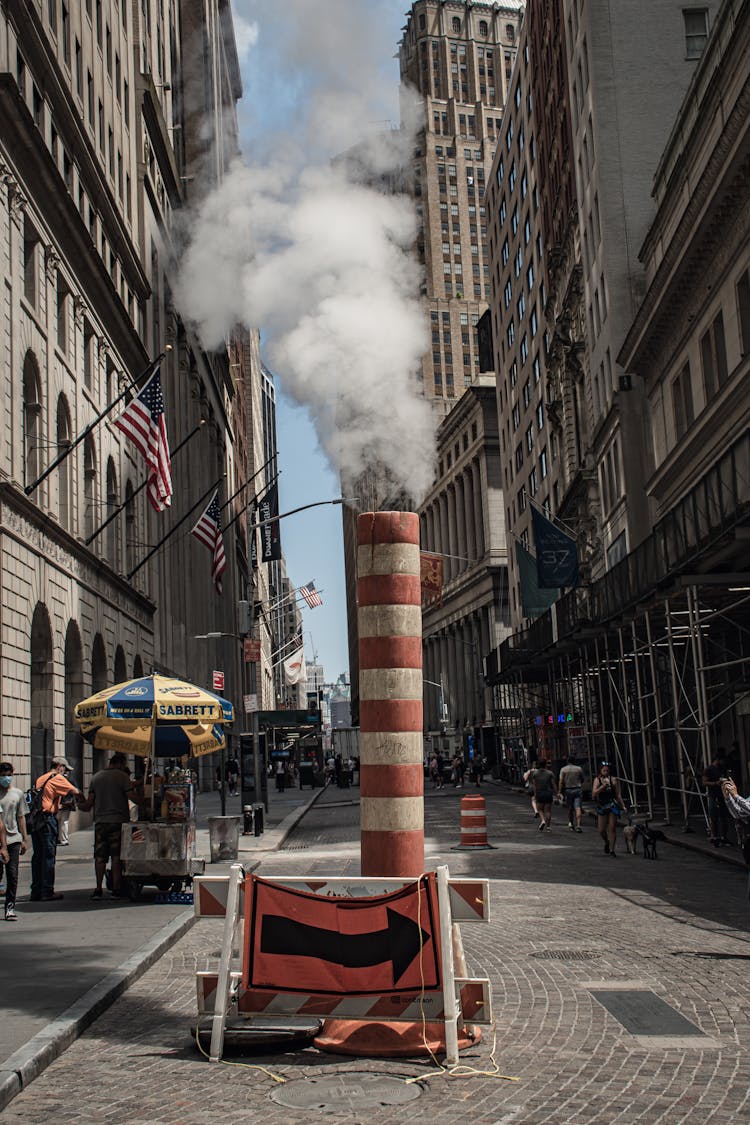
[[390, 691]]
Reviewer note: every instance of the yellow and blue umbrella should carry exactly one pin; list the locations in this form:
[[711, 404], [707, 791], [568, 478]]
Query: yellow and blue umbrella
[[159, 715]]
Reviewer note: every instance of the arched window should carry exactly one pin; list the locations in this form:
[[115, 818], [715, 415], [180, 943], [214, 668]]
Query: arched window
[[121, 670], [32, 418], [456, 25], [113, 539], [130, 528], [483, 28], [89, 487], [64, 468]]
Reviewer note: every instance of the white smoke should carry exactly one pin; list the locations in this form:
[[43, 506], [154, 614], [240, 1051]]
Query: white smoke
[[323, 263]]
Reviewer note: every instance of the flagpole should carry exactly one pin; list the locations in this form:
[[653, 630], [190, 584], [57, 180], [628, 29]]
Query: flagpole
[[113, 515], [552, 519], [92, 425], [252, 478], [172, 530], [239, 490]]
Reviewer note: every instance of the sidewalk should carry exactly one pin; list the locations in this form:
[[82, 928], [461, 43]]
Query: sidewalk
[[65, 962]]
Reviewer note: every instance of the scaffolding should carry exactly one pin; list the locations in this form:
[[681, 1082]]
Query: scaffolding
[[649, 668]]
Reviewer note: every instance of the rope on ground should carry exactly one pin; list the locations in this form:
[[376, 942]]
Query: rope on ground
[[459, 1070], [233, 1062]]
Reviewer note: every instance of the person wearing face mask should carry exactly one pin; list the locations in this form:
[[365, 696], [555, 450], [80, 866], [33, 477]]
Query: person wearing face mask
[[13, 809]]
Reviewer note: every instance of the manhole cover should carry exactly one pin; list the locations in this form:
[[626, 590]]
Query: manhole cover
[[565, 955], [354, 1091]]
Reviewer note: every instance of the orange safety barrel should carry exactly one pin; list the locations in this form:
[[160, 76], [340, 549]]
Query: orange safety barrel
[[473, 823]]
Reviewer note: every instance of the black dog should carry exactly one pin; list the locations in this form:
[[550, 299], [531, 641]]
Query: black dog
[[649, 837]]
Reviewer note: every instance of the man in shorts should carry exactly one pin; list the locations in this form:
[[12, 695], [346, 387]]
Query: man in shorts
[[108, 796], [571, 788]]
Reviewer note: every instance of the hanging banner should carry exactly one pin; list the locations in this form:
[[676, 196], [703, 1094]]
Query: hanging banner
[[270, 535], [296, 941], [533, 600], [556, 554], [431, 578]]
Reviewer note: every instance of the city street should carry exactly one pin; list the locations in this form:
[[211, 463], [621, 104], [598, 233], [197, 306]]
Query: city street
[[567, 922]]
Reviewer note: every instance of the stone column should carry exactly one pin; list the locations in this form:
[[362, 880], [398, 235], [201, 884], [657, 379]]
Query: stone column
[[390, 662]]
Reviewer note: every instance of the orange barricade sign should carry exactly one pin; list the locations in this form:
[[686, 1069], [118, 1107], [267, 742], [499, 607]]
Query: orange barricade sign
[[296, 941]]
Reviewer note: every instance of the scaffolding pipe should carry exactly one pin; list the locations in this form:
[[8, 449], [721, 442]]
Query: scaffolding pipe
[[642, 718], [676, 709], [696, 645]]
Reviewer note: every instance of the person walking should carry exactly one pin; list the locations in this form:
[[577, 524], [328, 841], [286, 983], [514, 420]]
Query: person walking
[[609, 804], [571, 790], [233, 776], [280, 775], [54, 786], [713, 776], [528, 780], [109, 790], [67, 804], [13, 838], [545, 791]]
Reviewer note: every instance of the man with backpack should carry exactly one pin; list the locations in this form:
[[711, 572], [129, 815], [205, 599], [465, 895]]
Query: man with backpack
[[53, 786]]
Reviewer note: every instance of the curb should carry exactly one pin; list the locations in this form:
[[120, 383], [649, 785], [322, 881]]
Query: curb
[[283, 830], [28, 1062]]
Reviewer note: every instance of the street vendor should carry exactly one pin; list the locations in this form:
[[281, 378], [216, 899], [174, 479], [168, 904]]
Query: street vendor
[[109, 792]]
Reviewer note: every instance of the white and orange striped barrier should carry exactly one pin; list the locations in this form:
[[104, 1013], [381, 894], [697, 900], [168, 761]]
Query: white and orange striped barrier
[[384, 950], [473, 824]]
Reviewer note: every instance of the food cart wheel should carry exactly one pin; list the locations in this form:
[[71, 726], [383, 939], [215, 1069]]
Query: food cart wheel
[[135, 889]]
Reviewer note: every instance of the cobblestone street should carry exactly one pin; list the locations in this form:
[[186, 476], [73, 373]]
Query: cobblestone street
[[566, 922]]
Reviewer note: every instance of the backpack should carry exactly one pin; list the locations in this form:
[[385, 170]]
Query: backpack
[[34, 813]]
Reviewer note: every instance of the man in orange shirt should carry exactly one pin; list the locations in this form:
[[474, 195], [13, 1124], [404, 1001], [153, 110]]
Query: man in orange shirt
[[54, 786]]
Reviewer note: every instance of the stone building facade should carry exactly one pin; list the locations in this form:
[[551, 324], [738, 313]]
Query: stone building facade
[[94, 165], [462, 519]]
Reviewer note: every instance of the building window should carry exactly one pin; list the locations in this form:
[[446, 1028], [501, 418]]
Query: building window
[[743, 311], [483, 28], [543, 463], [32, 418], [714, 357], [533, 482], [89, 487], [30, 262], [456, 25], [88, 355], [61, 309], [64, 433], [682, 401], [696, 31]]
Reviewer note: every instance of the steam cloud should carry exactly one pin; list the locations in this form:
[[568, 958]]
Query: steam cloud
[[306, 250]]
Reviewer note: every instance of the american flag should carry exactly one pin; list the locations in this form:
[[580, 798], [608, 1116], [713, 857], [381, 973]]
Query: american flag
[[142, 421], [311, 595], [208, 532]]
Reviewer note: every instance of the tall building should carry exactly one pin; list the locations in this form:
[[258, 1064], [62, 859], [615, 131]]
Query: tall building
[[569, 200], [97, 149], [646, 662], [458, 56]]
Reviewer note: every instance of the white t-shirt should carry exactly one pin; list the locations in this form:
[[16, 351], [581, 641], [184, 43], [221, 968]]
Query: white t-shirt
[[12, 806]]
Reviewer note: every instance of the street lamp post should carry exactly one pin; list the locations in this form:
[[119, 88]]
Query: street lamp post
[[443, 716], [223, 751]]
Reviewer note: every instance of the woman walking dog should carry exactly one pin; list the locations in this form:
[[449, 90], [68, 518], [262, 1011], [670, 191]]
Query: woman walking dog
[[609, 804]]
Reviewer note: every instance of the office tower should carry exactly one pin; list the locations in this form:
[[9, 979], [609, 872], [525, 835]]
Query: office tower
[[459, 58]]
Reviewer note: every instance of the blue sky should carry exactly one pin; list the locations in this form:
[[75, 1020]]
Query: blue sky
[[279, 78]]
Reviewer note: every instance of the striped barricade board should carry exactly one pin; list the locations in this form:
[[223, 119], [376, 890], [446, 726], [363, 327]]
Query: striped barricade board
[[378, 949], [469, 898], [473, 995]]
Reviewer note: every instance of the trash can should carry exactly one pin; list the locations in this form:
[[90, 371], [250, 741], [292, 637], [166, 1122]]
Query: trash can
[[306, 775], [258, 820], [224, 837], [247, 820]]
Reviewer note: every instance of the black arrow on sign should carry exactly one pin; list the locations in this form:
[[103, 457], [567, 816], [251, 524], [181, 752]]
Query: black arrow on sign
[[399, 943]]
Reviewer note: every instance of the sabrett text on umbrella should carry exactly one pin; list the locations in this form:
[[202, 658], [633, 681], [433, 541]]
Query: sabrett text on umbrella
[[180, 710]]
